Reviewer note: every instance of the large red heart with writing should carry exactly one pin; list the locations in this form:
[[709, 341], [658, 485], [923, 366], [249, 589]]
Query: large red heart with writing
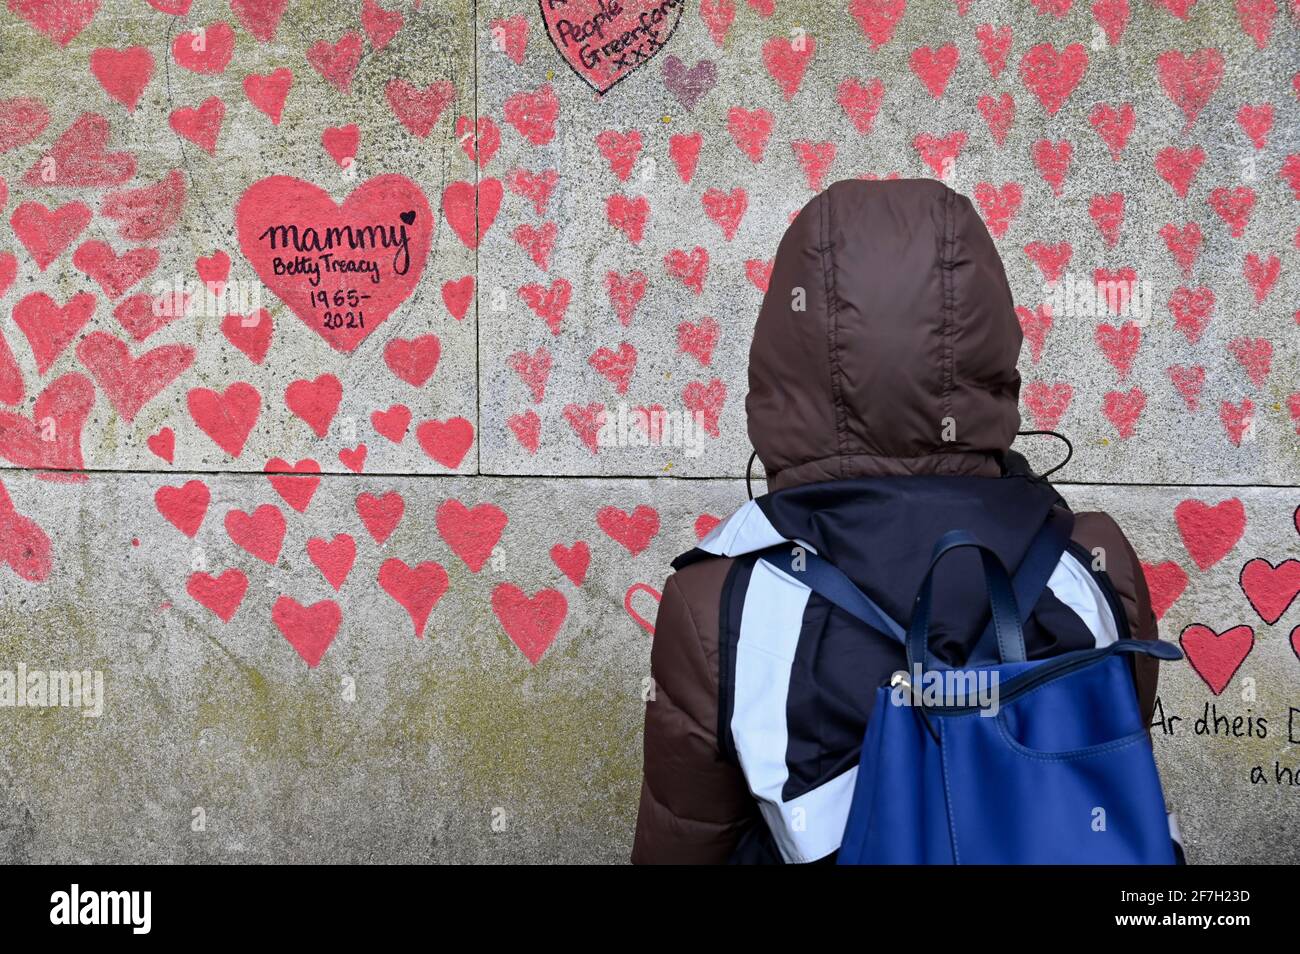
[[342, 269], [604, 42]]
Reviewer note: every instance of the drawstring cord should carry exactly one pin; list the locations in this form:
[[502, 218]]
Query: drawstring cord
[[1069, 449], [749, 487]]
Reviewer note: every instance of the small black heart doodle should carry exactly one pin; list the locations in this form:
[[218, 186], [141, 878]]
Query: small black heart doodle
[[408, 217]]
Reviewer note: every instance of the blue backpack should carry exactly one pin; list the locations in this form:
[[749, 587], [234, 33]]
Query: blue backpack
[[1004, 760]]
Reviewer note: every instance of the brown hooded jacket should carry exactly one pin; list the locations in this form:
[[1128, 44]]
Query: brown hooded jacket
[[901, 362]]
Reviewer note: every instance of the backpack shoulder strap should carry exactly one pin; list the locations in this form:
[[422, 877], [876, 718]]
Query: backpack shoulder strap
[[1030, 579], [830, 582]]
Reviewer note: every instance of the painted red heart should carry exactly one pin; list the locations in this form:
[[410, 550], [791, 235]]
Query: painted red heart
[[1190, 80], [337, 62], [1270, 589], [536, 187], [309, 629], [726, 209], [1047, 402], [1051, 260], [130, 383], [527, 428], [413, 360], [392, 423], [759, 272], [22, 119], [705, 401], [1052, 75], [114, 274], [698, 339], [419, 109], [149, 212], [633, 531], [876, 18], [261, 533], [268, 92], [298, 489], [471, 209], [65, 403], [200, 124], [572, 561], [787, 60], [513, 32], [550, 304], [628, 215], [1166, 582], [163, 444], [80, 158], [341, 143], [334, 558], [637, 618], [1188, 382], [45, 233], [251, 334], [1119, 345], [123, 73], [282, 221], [380, 25], [381, 513], [1192, 309], [221, 594], [24, 546], [60, 20], [213, 270], [260, 17], [531, 622], [479, 139], [533, 113], [939, 153], [457, 295], [1216, 657], [616, 367], [1113, 125], [184, 507], [207, 50], [999, 114], [933, 67], [1123, 409], [51, 327], [354, 458], [620, 150], [1210, 532], [416, 589], [586, 421], [228, 417], [1184, 244], [625, 293], [471, 532], [684, 151], [690, 268], [750, 130], [538, 242], [1178, 167], [315, 402], [533, 369], [447, 442]]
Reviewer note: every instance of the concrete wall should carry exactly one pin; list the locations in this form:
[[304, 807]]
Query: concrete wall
[[510, 729]]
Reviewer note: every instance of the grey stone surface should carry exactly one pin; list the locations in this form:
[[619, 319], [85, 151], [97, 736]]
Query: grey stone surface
[[445, 731]]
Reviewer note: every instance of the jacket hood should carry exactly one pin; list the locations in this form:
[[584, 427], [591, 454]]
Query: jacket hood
[[887, 340]]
